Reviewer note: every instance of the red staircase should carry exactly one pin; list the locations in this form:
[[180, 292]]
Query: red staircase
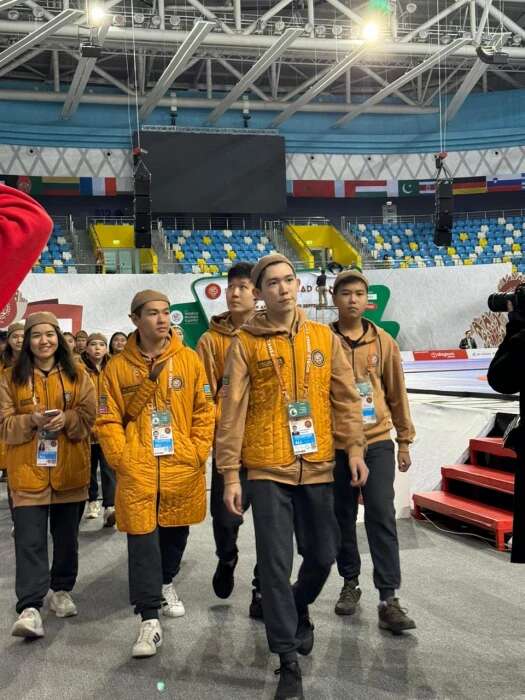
[[494, 519]]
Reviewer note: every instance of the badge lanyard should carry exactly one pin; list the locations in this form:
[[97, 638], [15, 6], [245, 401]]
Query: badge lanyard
[[161, 428], [277, 369]]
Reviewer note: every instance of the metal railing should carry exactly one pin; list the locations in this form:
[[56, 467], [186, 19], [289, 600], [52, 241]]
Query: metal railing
[[484, 215], [208, 223]]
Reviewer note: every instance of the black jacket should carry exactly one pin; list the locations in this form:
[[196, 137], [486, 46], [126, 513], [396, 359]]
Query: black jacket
[[506, 375]]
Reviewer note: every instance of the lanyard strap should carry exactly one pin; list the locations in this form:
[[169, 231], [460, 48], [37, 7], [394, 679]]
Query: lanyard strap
[[277, 369]]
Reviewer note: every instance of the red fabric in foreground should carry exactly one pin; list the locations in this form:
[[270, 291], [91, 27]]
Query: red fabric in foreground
[[24, 230]]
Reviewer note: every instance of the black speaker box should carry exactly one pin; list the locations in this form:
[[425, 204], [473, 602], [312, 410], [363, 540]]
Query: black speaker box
[[142, 205], [142, 239], [443, 236], [142, 222], [443, 218], [141, 186]]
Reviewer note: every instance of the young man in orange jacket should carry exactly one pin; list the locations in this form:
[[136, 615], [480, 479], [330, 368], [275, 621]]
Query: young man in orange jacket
[[212, 348], [376, 364], [287, 388], [155, 427]]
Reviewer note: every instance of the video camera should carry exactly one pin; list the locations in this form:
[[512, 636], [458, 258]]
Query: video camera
[[499, 302]]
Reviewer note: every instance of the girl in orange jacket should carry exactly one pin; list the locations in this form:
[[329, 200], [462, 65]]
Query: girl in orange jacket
[[47, 410]]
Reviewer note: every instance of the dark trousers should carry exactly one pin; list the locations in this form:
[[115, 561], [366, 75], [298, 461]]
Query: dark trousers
[[380, 517], [225, 524], [279, 511], [107, 478], [10, 502], [153, 560], [33, 578]]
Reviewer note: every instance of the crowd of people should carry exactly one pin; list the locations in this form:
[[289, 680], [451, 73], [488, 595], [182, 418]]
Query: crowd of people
[[296, 416]]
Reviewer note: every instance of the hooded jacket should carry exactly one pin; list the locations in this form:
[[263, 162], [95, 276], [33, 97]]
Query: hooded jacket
[[212, 349], [254, 425], [17, 403], [376, 358], [96, 375], [168, 490]]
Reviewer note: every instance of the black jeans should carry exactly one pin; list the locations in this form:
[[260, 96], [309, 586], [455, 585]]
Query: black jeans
[[107, 478], [33, 577], [153, 560], [380, 517], [280, 510]]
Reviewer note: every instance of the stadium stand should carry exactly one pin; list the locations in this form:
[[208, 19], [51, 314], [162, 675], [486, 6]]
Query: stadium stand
[[474, 242], [57, 256], [215, 251]]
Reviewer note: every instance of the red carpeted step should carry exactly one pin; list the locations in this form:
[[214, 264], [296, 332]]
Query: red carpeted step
[[491, 446], [487, 517], [479, 476]]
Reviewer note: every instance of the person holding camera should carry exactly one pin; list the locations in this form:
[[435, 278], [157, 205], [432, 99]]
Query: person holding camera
[[506, 375], [47, 410]]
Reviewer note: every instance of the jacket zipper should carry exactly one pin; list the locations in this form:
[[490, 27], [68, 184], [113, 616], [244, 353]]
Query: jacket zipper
[[295, 399], [47, 406]]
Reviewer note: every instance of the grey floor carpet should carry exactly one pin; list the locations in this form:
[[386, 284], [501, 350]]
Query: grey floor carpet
[[466, 598]]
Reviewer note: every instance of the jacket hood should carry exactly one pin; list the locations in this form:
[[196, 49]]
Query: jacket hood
[[371, 334], [260, 325], [222, 323], [133, 354]]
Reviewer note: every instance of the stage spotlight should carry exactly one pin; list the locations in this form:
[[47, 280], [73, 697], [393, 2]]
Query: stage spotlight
[[370, 31], [320, 30], [13, 15], [411, 8], [138, 18], [156, 21], [308, 29], [175, 21], [96, 15], [119, 20], [516, 40], [38, 13], [423, 35], [279, 26], [337, 30], [446, 39]]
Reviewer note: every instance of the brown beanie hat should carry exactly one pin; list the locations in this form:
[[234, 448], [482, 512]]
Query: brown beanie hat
[[97, 336], [81, 334], [261, 265], [15, 327], [348, 276], [142, 298], [41, 317]]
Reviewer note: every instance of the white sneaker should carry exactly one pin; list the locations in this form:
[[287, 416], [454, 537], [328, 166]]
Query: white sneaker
[[172, 605], [28, 625], [149, 639], [92, 510], [109, 516], [62, 604]]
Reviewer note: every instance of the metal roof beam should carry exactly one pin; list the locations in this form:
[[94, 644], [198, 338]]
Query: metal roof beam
[[346, 11], [210, 15], [176, 66], [266, 16], [268, 57], [319, 86], [23, 59], [433, 20], [402, 80], [44, 30], [81, 77], [384, 83], [229, 67]]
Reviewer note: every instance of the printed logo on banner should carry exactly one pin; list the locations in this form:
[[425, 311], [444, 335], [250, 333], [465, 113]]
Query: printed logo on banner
[[213, 291], [177, 317]]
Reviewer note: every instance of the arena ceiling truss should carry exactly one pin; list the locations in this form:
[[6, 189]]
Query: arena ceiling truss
[[287, 57]]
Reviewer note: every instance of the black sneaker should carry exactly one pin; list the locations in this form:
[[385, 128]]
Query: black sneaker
[[223, 580], [290, 682], [256, 610], [305, 634], [394, 618], [348, 598]]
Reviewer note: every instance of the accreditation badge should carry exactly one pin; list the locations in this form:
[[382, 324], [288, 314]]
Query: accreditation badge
[[46, 451], [161, 434], [302, 431], [368, 409]]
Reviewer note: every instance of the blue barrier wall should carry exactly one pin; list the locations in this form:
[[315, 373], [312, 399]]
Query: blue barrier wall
[[485, 121]]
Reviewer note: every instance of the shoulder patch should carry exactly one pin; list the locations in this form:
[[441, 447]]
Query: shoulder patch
[[177, 383], [318, 358]]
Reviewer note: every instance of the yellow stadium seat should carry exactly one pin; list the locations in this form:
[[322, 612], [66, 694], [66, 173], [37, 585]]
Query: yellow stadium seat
[[413, 245], [201, 261], [232, 254], [214, 268], [483, 242], [467, 261], [507, 258], [379, 239], [403, 264], [206, 240], [463, 236], [451, 250], [49, 270], [516, 247], [514, 268], [179, 255]]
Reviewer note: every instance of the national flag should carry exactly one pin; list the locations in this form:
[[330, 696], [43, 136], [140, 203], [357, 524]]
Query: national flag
[[504, 183], [289, 187], [469, 185], [427, 187], [98, 186], [339, 188], [111, 186], [57, 186], [392, 188], [366, 188], [314, 188], [408, 188]]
